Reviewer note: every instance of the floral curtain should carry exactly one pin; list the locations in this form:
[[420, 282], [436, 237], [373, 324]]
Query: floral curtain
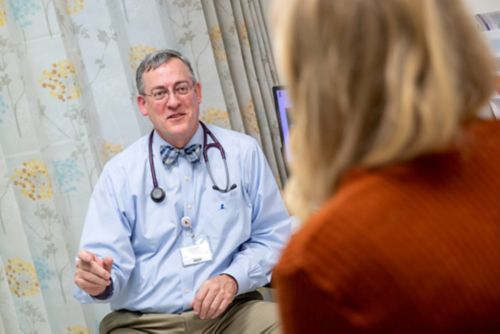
[[67, 105]]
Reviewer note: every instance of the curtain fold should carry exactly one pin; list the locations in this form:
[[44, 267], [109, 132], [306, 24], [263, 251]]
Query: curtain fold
[[240, 43], [67, 105]]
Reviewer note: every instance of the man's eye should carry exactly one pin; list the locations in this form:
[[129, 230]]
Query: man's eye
[[159, 94], [182, 89]]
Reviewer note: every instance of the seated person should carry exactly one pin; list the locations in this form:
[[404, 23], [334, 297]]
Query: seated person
[[184, 224], [394, 177]]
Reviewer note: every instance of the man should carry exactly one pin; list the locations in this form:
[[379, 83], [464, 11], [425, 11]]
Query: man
[[184, 224]]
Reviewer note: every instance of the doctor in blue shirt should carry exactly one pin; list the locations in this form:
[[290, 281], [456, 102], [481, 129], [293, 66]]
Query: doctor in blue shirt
[[184, 224]]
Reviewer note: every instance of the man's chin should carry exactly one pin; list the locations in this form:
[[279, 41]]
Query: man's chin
[[177, 128]]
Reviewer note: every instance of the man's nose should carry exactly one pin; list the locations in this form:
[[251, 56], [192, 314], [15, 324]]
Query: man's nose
[[173, 101]]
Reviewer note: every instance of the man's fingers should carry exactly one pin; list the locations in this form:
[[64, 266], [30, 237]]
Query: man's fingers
[[90, 282], [93, 278], [206, 304], [86, 256], [214, 296], [94, 267], [89, 287], [108, 263], [213, 308], [92, 273], [222, 307], [198, 299]]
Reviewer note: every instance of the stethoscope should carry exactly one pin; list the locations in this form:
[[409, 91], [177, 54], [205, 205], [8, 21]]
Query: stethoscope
[[158, 194]]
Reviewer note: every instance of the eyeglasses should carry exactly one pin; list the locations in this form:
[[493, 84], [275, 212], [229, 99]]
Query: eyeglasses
[[180, 89]]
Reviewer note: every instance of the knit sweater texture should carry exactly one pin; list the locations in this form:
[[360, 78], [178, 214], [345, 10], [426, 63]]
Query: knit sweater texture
[[409, 248]]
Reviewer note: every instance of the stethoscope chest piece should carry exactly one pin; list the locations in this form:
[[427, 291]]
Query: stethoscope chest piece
[[157, 194]]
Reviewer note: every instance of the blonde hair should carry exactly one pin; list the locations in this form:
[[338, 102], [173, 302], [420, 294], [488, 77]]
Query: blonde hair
[[374, 83]]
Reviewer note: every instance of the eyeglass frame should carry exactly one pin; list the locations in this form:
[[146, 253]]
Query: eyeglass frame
[[154, 60], [175, 90]]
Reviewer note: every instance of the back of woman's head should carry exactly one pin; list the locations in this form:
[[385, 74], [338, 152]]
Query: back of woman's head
[[375, 82]]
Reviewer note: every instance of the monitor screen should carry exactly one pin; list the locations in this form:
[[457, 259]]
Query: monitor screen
[[282, 104]]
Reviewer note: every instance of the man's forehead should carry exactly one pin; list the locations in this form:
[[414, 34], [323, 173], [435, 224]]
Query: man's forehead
[[172, 65], [172, 71]]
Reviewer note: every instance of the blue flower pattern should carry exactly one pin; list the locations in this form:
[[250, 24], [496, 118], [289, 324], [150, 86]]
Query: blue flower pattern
[[3, 108], [23, 11], [67, 174], [44, 273]]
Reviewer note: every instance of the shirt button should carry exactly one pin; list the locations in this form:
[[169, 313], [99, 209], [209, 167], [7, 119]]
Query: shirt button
[[186, 290], [186, 178], [189, 206]]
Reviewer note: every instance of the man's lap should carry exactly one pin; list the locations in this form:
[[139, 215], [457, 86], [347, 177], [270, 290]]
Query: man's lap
[[247, 314]]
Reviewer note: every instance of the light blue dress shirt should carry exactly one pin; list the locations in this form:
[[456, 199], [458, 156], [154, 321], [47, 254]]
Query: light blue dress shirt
[[246, 227]]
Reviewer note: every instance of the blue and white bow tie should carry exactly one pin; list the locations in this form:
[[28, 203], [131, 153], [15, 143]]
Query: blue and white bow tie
[[169, 154]]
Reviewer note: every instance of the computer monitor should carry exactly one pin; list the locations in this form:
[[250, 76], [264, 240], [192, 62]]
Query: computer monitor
[[282, 106]]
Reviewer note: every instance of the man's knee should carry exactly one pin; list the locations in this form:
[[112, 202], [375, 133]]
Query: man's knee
[[253, 316]]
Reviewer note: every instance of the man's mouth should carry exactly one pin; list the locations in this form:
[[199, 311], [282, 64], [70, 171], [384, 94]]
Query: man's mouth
[[175, 116]]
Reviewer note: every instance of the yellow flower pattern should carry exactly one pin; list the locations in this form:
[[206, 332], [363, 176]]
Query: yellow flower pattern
[[244, 34], [215, 116], [216, 39], [3, 13], [61, 81], [109, 150], [33, 180], [22, 279], [77, 329], [137, 53], [74, 6], [59, 84], [250, 119]]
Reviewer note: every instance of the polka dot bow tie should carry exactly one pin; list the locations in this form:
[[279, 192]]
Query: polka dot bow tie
[[169, 154]]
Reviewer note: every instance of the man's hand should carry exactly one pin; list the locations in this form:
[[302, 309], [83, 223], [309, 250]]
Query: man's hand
[[92, 274], [214, 296]]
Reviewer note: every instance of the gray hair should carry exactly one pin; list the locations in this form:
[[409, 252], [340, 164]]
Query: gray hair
[[154, 60]]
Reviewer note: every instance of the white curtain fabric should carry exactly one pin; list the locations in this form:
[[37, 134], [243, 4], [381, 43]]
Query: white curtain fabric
[[67, 105]]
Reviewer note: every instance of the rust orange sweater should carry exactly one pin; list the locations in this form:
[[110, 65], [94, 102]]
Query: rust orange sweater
[[412, 248]]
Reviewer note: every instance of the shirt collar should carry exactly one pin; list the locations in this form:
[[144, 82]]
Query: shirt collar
[[197, 138]]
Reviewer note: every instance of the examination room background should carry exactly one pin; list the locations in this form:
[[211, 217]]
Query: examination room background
[[67, 105]]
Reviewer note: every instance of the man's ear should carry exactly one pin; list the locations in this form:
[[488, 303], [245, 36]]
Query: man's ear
[[141, 103], [197, 91]]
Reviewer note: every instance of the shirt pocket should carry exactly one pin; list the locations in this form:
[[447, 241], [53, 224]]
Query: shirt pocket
[[226, 216]]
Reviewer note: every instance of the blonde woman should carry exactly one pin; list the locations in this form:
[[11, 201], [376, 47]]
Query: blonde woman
[[395, 179]]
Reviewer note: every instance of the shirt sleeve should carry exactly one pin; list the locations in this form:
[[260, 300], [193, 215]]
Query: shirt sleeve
[[271, 225], [107, 231]]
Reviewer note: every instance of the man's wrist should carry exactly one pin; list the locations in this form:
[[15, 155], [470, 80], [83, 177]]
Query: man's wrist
[[234, 280], [106, 293]]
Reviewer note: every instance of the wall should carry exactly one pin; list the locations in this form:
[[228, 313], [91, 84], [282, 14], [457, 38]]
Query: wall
[[483, 6]]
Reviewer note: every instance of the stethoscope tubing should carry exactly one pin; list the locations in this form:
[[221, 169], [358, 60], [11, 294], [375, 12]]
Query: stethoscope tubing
[[158, 194]]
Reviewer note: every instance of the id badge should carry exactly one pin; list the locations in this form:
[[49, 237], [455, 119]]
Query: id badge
[[197, 253]]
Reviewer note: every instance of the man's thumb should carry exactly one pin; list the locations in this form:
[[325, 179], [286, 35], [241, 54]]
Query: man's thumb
[[107, 263]]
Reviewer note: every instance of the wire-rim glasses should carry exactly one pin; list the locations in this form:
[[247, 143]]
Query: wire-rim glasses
[[180, 89]]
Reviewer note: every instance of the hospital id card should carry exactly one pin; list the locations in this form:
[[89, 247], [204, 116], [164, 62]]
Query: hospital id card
[[195, 254]]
